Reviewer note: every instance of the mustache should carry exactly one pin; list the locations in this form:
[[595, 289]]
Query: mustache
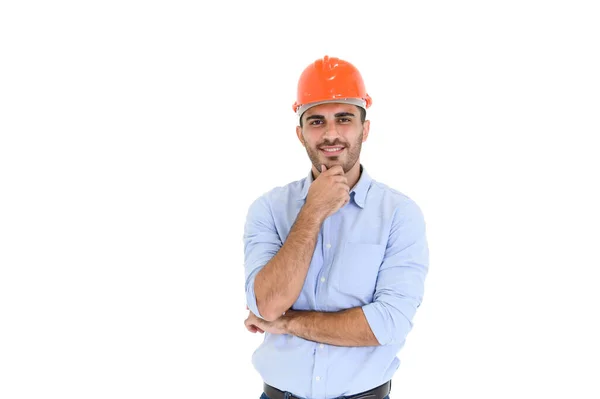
[[332, 143]]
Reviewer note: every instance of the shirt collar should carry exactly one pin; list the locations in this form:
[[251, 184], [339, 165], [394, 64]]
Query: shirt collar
[[358, 192]]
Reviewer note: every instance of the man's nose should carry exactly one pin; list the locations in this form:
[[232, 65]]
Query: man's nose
[[331, 132]]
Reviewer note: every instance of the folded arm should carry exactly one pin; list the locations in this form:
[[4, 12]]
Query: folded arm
[[346, 328], [275, 271]]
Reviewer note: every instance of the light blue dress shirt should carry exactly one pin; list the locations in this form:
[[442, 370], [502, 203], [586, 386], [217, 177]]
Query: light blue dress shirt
[[372, 253]]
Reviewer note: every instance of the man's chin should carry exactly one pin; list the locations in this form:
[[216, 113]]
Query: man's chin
[[332, 164]]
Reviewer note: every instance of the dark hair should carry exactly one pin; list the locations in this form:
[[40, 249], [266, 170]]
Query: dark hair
[[363, 115]]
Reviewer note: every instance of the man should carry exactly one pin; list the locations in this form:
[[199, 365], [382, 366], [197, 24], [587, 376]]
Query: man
[[336, 262]]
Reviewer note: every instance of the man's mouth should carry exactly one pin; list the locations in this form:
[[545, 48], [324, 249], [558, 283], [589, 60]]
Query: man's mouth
[[332, 150]]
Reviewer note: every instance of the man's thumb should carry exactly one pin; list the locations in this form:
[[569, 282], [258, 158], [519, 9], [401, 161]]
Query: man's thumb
[[323, 168]]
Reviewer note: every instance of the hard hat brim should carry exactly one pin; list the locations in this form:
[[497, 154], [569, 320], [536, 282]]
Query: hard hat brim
[[354, 101]]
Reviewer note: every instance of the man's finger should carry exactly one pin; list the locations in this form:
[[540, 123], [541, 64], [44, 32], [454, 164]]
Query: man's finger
[[250, 327], [253, 329], [336, 170]]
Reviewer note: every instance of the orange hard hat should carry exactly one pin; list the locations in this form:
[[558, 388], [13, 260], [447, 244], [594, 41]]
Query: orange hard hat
[[330, 79]]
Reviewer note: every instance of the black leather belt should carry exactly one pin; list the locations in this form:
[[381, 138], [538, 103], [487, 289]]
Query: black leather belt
[[376, 393]]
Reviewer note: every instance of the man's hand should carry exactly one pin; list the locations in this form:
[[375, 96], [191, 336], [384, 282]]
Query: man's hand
[[251, 327], [329, 192], [254, 323]]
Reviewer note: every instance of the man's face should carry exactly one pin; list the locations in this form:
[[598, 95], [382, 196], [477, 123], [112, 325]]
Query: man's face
[[333, 135]]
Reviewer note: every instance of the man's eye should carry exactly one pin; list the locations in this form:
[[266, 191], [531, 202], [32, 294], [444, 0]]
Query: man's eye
[[345, 120], [316, 122]]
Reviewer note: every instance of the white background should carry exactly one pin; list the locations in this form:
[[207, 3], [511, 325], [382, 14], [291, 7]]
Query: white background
[[134, 136]]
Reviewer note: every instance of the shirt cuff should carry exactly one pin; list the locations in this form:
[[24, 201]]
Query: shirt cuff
[[251, 297], [386, 328]]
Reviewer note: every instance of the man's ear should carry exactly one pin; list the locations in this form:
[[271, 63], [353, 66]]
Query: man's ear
[[299, 134], [366, 128]]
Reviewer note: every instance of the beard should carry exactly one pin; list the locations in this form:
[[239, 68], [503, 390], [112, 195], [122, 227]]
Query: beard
[[346, 160]]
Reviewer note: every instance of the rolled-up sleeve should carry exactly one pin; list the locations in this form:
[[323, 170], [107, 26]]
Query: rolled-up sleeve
[[400, 283], [261, 243]]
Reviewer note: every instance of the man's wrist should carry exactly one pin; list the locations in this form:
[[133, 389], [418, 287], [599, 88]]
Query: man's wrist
[[288, 321], [311, 215]]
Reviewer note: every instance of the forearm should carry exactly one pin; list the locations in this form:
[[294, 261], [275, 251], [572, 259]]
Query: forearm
[[345, 328], [278, 284]]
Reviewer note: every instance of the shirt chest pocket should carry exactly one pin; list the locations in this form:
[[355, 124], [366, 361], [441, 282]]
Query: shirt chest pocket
[[359, 268]]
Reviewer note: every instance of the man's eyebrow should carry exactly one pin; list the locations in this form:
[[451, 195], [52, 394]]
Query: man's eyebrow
[[340, 114]]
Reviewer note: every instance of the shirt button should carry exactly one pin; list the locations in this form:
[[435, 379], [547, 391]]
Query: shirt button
[[321, 346], [322, 279], [328, 246], [318, 378]]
